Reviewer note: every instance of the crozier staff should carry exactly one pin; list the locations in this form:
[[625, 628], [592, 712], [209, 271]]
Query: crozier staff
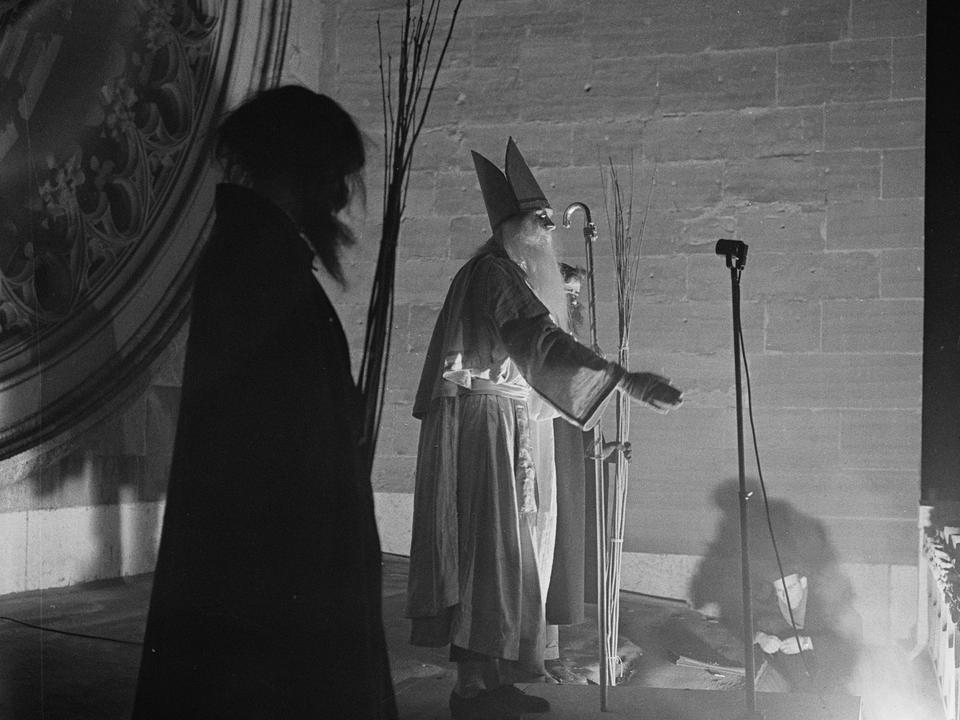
[[499, 368]]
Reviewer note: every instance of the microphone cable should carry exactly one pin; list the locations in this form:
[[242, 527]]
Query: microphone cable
[[766, 509], [45, 628]]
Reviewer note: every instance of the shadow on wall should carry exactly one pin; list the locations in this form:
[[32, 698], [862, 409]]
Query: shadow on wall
[[102, 118], [85, 492], [819, 597], [97, 500]]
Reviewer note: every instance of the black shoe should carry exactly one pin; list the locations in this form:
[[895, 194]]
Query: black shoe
[[483, 706], [517, 700]]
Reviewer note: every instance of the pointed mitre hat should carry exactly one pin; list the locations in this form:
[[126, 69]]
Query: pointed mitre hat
[[508, 194]]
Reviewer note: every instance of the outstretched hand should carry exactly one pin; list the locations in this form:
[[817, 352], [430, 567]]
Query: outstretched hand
[[652, 390]]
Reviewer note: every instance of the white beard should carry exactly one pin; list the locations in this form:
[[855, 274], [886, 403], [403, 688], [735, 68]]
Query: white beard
[[536, 255]]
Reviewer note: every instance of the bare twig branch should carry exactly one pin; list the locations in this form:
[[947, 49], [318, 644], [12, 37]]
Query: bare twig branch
[[405, 108], [626, 241]]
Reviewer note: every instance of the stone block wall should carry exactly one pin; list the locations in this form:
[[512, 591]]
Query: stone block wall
[[796, 127]]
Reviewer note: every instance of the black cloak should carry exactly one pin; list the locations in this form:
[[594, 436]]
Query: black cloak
[[266, 598]]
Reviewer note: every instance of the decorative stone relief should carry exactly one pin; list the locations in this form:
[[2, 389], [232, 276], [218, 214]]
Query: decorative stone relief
[[106, 188]]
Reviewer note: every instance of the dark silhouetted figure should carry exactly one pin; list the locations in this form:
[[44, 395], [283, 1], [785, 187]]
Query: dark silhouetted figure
[[266, 599], [813, 594]]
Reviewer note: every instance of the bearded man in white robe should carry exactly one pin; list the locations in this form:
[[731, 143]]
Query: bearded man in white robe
[[499, 368]]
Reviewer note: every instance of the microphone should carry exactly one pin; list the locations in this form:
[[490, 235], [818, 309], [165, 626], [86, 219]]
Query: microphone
[[731, 249]]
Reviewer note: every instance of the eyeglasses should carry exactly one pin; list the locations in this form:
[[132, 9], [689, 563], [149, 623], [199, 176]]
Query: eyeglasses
[[543, 219]]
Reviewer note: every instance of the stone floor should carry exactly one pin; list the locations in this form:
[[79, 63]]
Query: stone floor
[[49, 676]]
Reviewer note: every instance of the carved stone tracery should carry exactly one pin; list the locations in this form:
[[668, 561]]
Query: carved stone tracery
[[106, 187], [74, 203]]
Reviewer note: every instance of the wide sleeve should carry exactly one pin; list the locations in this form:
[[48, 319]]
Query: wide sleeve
[[573, 378], [570, 376]]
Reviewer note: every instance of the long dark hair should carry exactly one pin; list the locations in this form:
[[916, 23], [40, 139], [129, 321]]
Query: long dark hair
[[306, 137]]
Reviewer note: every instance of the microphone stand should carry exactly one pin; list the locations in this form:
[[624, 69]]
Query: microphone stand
[[589, 237], [735, 253]]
